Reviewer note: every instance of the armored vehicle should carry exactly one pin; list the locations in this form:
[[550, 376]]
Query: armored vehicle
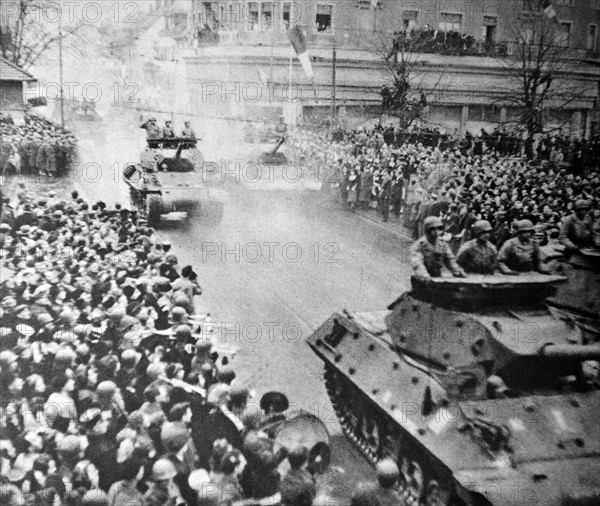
[[579, 298], [274, 157], [474, 388], [168, 179]]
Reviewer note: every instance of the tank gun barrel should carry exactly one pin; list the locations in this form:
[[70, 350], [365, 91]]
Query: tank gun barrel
[[571, 351], [279, 144]]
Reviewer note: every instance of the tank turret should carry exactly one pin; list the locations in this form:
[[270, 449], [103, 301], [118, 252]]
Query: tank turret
[[579, 298], [472, 386]]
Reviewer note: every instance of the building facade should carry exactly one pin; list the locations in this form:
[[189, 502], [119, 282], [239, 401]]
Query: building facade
[[13, 88], [241, 45], [356, 23]]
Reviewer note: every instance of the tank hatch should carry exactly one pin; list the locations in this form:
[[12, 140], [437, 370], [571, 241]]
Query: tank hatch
[[474, 292]]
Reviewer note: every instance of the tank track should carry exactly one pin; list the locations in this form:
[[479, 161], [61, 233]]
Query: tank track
[[374, 435]]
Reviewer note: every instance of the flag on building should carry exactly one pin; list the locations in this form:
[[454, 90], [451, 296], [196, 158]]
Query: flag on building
[[549, 10], [299, 44], [262, 76]]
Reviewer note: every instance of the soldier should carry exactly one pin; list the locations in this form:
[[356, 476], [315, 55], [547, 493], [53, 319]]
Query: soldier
[[430, 253], [281, 128], [384, 195], [479, 255], [521, 253], [298, 485], [382, 493], [152, 129], [188, 131], [576, 229], [168, 132]]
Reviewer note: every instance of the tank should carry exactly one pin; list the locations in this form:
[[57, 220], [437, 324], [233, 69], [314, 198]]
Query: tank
[[274, 157], [169, 179], [480, 394], [579, 298]]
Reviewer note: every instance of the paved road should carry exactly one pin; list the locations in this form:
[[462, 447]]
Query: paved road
[[282, 259]]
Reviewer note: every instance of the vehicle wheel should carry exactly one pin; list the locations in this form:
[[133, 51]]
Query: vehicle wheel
[[153, 210]]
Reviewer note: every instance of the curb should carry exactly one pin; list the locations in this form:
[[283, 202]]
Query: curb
[[396, 229]]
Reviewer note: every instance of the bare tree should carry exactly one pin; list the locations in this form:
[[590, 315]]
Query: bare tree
[[31, 28], [408, 95], [536, 71]]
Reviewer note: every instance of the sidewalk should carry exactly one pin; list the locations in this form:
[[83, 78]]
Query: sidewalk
[[394, 224]]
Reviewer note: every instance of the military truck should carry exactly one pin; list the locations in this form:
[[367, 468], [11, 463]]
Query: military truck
[[170, 178], [474, 388]]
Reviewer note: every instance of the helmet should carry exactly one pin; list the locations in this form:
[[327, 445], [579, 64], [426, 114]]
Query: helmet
[[388, 468], [163, 469], [524, 226], [106, 388], [481, 226], [582, 204], [174, 436], [432, 222]]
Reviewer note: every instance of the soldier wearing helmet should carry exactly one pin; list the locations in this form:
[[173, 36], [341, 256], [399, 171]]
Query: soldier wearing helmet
[[479, 255], [382, 493], [521, 253], [430, 253], [576, 229], [163, 475], [152, 129]]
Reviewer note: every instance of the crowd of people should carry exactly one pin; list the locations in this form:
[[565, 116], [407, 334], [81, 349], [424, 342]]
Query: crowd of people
[[38, 147], [113, 392], [427, 39], [153, 131], [414, 175]]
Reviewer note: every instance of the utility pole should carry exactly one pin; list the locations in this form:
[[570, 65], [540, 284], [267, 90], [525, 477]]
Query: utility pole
[[60, 63], [333, 84]]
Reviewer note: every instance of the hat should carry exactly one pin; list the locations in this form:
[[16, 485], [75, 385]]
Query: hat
[[69, 444], [524, 226], [106, 388], [432, 222], [582, 204], [16, 474], [276, 401], [239, 395], [481, 226], [198, 479], [91, 417], [226, 375], [154, 371], [174, 436]]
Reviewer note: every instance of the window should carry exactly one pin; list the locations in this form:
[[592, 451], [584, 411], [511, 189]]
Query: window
[[564, 2], [266, 17], [251, 14], [532, 5], [369, 4], [410, 19], [592, 38], [563, 38], [450, 22], [323, 18], [286, 14]]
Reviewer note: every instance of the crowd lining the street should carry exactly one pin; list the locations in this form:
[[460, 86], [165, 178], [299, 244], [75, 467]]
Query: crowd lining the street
[[414, 175], [38, 147], [112, 391]]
